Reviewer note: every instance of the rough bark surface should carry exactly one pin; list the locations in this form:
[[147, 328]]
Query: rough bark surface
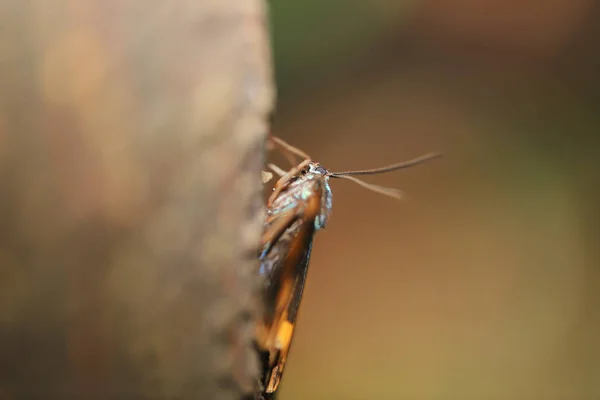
[[131, 144]]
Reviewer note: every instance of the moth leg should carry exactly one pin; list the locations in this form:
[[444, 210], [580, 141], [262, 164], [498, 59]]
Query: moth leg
[[288, 147], [284, 180], [265, 176], [276, 169], [289, 155]]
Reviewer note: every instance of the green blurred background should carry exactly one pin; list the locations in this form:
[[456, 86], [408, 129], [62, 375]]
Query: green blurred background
[[484, 283]]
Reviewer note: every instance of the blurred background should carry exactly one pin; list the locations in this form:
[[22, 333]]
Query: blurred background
[[485, 282]]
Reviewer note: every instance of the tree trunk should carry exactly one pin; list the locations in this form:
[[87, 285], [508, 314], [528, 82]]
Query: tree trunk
[[131, 145]]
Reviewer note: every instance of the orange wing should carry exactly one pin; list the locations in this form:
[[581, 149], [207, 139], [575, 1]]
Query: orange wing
[[284, 264]]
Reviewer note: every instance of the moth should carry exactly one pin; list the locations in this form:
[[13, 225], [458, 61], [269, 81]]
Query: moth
[[298, 207]]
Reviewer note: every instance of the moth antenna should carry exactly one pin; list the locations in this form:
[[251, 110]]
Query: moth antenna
[[393, 167], [386, 191]]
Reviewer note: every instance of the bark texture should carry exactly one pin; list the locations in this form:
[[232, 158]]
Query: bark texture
[[131, 144]]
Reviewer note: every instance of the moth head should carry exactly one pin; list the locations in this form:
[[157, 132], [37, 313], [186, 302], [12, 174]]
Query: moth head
[[314, 168], [317, 169]]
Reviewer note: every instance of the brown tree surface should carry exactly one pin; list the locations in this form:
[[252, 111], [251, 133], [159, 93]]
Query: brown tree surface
[[131, 144]]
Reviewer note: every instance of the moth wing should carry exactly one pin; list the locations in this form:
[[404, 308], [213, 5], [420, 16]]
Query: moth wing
[[285, 329], [287, 279]]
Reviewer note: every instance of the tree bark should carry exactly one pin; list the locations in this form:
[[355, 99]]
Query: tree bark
[[131, 145]]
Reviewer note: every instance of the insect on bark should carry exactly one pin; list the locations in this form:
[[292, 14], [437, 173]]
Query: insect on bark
[[298, 207]]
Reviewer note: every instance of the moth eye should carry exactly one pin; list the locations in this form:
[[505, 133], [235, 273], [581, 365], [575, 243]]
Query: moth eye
[[321, 170]]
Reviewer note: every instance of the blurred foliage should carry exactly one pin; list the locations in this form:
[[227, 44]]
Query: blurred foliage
[[312, 39]]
